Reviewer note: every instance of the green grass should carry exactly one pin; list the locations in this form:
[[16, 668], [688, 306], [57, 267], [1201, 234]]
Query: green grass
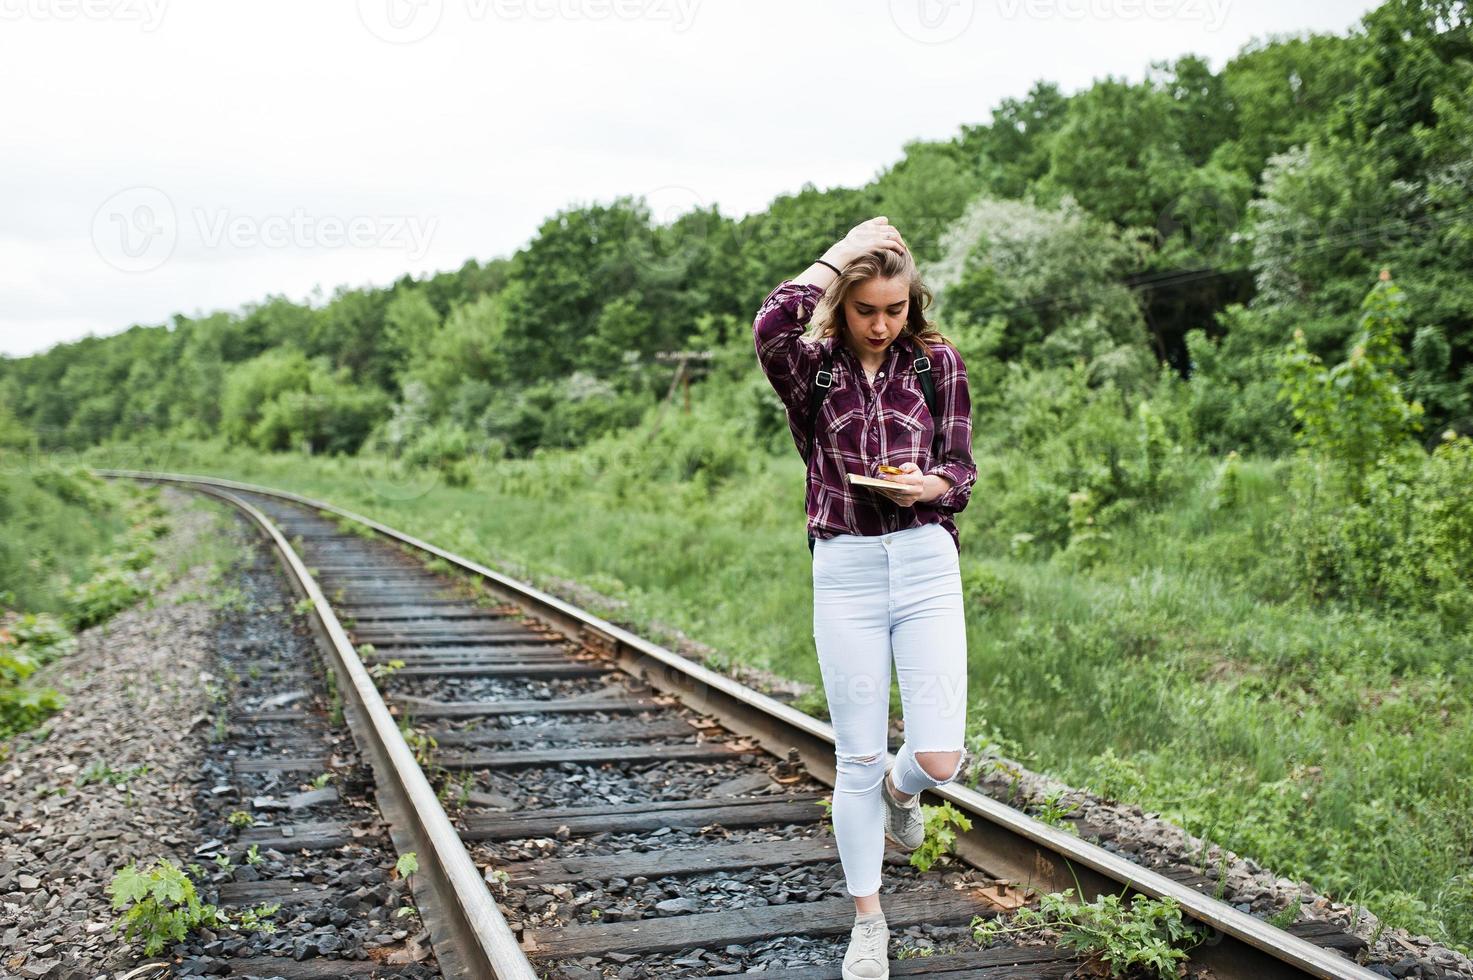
[[74, 550], [1178, 672], [53, 524]]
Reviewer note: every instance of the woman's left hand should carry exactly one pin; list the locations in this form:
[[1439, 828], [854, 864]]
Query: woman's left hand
[[912, 476]]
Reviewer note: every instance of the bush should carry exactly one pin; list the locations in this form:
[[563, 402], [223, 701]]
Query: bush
[[1353, 414], [73, 486], [1375, 520], [1233, 393], [43, 636], [1405, 542], [283, 400], [1093, 459], [113, 588], [27, 643], [559, 414]]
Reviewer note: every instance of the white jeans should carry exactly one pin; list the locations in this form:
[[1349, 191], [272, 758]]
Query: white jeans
[[877, 598]]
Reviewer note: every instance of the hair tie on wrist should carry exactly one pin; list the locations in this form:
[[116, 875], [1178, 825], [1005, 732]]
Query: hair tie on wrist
[[836, 269]]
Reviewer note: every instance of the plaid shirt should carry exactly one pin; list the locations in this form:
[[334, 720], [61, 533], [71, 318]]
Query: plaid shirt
[[861, 425]]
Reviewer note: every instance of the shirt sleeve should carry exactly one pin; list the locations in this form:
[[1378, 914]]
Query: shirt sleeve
[[789, 362], [955, 463]]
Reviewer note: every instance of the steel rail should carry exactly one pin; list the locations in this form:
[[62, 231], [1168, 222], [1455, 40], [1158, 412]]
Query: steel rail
[[473, 938], [1005, 842]]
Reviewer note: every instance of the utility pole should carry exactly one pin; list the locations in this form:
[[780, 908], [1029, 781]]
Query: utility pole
[[687, 363]]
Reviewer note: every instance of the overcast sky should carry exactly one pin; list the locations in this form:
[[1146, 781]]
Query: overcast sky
[[163, 156]]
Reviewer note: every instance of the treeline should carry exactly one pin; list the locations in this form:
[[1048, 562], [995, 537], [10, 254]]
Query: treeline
[[1189, 222]]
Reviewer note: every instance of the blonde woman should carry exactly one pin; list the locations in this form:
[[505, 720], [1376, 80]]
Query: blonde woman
[[886, 571]]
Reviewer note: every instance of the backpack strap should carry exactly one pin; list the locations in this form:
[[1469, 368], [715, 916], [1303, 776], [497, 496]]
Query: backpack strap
[[817, 392], [922, 366]]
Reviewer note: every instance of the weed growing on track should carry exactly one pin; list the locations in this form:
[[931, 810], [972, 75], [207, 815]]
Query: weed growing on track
[[1144, 937], [160, 906], [422, 744], [102, 772], [942, 823], [1054, 813]]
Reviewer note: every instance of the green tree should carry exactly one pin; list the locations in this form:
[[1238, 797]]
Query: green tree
[[1012, 149], [1281, 90], [251, 386], [1118, 152], [1353, 414], [1053, 280], [410, 322]]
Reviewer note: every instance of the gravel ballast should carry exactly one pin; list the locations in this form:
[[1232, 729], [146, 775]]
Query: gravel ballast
[[155, 755], [135, 705]]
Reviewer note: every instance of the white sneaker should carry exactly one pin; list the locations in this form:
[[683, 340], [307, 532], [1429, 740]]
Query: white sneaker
[[868, 955], [904, 822]]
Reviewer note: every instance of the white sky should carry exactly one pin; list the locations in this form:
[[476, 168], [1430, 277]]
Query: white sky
[[163, 156]]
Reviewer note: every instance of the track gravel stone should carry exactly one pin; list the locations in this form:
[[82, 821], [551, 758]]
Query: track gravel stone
[[134, 700], [163, 694]]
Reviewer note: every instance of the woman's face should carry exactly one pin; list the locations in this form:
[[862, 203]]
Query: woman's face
[[874, 312]]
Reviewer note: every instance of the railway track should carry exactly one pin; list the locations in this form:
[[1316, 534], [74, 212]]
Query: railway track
[[288, 808], [604, 804]]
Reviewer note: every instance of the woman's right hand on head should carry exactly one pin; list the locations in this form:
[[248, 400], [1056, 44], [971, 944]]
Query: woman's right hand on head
[[867, 236]]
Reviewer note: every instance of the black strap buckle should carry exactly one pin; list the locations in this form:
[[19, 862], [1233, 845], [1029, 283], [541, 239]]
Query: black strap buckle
[[922, 364], [824, 379]]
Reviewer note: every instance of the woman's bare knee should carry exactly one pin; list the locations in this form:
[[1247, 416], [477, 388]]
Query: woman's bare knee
[[939, 765]]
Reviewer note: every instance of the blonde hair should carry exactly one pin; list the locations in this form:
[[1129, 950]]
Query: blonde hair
[[828, 316]]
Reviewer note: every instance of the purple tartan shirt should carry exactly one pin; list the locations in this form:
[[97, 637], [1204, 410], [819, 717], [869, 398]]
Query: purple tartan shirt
[[861, 425]]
